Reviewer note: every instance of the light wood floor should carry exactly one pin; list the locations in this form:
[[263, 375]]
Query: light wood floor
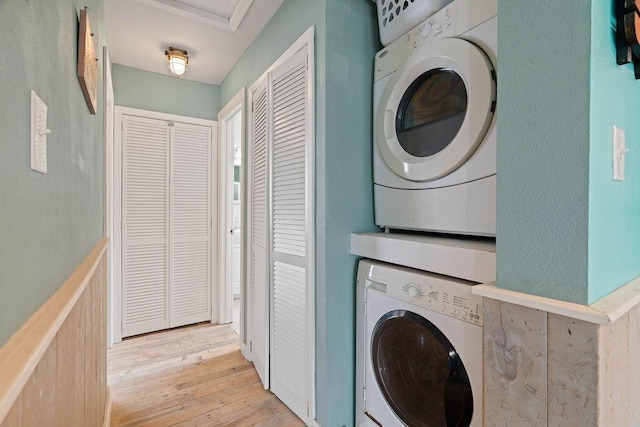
[[191, 376]]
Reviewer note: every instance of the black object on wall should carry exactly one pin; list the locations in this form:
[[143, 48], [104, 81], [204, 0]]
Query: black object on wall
[[628, 33]]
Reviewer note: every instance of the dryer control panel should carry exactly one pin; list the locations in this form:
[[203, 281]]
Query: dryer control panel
[[440, 25], [447, 295]]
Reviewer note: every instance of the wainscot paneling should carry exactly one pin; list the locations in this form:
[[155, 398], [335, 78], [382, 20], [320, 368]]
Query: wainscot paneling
[[54, 368], [561, 370], [613, 374], [634, 363], [71, 412], [572, 371], [515, 346]]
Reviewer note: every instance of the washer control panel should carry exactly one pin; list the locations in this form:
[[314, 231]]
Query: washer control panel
[[447, 295]]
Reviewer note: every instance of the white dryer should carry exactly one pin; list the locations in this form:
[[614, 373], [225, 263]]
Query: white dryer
[[418, 349], [434, 154]]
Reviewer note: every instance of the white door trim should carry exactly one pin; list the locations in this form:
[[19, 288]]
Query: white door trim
[[116, 244], [225, 174], [308, 38], [108, 105], [250, 271]]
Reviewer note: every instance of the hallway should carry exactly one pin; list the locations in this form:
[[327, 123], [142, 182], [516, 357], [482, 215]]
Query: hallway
[[190, 376]]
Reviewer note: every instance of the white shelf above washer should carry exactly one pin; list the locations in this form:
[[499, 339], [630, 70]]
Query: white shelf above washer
[[468, 259]]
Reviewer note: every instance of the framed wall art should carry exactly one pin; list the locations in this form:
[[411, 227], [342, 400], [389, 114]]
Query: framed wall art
[[87, 63]]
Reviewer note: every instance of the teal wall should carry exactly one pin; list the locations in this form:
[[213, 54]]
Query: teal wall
[[156, 92], [614, 207], [566, 230], [352, 41], [346, 41], [48, 223], [543, 147]]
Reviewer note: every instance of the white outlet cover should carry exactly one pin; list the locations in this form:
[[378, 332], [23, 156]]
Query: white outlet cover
[[39, 133]]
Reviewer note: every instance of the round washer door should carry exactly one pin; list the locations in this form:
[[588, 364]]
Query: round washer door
[[419, 372], [436, 110]]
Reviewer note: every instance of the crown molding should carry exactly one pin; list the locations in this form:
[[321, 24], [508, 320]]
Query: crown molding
[[205, 16]]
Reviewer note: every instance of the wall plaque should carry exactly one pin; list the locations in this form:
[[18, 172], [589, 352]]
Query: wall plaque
[[87, 63]]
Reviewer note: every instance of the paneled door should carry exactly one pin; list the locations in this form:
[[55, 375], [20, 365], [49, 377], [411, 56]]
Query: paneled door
[[281, 232], [291, 231], [190, 225], [145, 220], [166, 224], [258, 232]]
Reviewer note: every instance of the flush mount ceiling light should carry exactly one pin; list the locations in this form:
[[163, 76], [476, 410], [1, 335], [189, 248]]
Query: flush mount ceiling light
[[178, 60]]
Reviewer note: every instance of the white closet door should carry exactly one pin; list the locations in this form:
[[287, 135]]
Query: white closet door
[[290, 210], [258, 246], [144, 225], [190, 225]]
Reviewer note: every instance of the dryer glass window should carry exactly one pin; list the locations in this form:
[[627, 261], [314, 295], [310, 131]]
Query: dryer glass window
[[431, 112], [420, 373]]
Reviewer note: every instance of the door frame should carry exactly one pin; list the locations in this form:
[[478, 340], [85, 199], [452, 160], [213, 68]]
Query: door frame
[[116, 291], [236, 105], [109, 117]]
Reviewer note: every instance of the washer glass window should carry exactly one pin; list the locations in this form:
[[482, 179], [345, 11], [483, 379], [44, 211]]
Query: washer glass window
[[431, 112], [419, 372]]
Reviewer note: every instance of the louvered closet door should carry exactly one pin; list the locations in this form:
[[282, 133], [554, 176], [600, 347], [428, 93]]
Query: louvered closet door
[[258, 234], [190, 225], [145, 206], [290, 227]]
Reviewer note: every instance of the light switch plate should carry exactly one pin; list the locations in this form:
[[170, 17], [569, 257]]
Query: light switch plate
[[619, 152], [39, 133]]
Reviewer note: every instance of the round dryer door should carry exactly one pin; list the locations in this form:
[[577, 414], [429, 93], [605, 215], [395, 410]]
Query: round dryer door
[[419, 372], [436, 110]]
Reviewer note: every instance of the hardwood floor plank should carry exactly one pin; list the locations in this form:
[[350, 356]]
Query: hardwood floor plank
[[191, 376]]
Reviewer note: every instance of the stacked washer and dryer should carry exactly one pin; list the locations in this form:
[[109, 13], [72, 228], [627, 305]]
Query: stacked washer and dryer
[[419, 330]]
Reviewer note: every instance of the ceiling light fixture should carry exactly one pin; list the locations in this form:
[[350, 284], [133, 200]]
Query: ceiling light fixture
[[178, 60]]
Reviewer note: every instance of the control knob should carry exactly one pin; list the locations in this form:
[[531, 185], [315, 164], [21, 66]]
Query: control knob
[[426, 30], [413, 292]]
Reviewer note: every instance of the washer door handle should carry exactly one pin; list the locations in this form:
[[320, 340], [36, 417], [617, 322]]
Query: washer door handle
[[375, 285]]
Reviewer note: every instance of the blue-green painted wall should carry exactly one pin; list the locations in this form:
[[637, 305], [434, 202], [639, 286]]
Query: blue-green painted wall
[[614, 207], [345, 43], [566, 230], [543, 147], [352, 41], [48, 223], [156, 92]]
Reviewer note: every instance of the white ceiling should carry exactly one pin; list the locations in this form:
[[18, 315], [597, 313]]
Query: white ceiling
[[214, 32]]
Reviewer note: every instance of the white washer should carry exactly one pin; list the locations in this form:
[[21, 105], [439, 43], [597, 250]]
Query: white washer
[[418, 349], [434, 155]]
